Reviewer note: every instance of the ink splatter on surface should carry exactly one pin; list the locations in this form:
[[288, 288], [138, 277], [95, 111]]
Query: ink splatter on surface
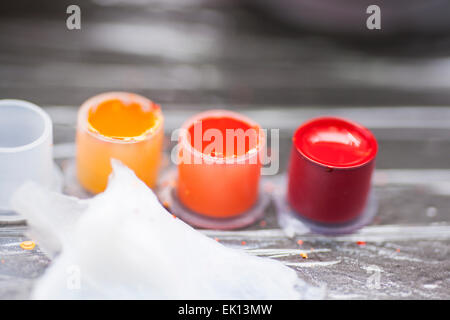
[[27, 245]]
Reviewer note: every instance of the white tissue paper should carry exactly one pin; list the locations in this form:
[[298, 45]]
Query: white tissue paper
[[123, 244]]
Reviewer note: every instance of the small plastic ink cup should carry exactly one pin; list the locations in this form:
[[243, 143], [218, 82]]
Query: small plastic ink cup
[[219, 167], [329, 175], [25, 148], [118, 125]]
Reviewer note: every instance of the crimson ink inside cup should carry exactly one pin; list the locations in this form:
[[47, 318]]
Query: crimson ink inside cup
[[330, 170]]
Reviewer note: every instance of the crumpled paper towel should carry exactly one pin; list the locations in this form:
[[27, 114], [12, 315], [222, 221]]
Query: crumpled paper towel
[[123, 244]]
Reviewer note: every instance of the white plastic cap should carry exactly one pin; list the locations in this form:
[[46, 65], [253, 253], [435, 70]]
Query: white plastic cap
[[25, 147]]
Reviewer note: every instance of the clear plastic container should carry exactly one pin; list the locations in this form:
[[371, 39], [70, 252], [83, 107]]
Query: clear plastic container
[[25, 148]]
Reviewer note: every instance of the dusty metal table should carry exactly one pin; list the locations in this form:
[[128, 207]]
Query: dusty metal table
[[407, 246]]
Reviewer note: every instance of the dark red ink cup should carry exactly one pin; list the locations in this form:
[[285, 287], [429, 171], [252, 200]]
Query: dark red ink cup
[[330, 170]]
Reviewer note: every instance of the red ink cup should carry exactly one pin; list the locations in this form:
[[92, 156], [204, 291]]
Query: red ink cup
[[330, 170]]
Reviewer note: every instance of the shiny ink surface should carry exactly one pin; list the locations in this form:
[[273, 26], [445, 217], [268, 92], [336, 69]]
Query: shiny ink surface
[[116, 119], [335, 142]]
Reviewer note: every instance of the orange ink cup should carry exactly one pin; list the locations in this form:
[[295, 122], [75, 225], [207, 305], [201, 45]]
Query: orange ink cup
[[118, 125], [219, 183]]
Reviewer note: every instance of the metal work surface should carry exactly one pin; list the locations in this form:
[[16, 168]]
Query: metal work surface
[[196, 55], [407, 245]]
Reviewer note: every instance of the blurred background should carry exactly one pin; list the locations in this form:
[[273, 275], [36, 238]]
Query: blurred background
[[228, 53]]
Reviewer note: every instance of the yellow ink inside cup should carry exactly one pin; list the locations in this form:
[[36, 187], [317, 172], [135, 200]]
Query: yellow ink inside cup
[[115, 119]]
